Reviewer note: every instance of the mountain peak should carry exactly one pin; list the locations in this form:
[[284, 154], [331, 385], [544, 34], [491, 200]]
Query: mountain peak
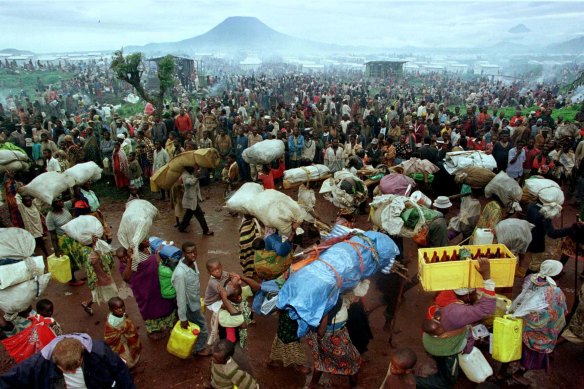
[[519, 29]]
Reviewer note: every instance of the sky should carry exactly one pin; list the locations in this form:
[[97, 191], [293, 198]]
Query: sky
[[50, 26]]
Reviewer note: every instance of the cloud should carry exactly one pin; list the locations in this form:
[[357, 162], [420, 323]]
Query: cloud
[[66, 25]]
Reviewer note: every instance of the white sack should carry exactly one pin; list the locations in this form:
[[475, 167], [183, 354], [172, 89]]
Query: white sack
[[264, 152], [515, 234], [307, 173], [83, 228], [275, 209], [18, 272], [8, 156], [135, 226], [243, 197], [47, 186], [307, 201], [14, 166], [506, 189], [549, 194], [19, 297], [457, 160], [83, 172], [16, 243]]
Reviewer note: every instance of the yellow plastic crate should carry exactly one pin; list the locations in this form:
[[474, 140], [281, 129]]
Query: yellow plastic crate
[[439, 276], [502, 269]]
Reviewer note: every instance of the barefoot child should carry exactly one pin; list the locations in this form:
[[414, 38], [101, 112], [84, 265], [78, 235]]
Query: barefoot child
[[225, 373], [121, 334], [216, 293], [99, 278]]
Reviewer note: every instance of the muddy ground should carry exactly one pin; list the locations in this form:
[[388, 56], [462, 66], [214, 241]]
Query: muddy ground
[[158, 369]]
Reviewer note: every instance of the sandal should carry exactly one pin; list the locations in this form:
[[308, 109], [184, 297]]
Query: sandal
[[87, 309]]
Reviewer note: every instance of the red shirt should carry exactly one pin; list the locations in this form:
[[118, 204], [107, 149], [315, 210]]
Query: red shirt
[[529, 157], [267, 180], [183, 123]]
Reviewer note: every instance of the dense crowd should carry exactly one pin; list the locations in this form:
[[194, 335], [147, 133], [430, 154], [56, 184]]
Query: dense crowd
[[338, 120]]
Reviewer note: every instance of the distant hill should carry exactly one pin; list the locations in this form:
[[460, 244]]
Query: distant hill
[[16, 52], [572, 46], [519, 29], [238, 33]]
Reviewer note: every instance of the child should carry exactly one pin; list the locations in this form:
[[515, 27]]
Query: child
[[235, 316], [99, 278], [230, 174], [45, 310], [135, 172], [225, 373], [216, 294], [121, 334], [133, 193], [267, 177], [400, 374], [33, 221]]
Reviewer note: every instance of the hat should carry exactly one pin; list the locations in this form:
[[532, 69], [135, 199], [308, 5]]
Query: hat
[[463, 291], [375, 141], [440, 140], [121, 136], [442, 202]]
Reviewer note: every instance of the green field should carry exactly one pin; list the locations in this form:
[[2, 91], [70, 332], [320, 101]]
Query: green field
[[568, 113], [12, 82]]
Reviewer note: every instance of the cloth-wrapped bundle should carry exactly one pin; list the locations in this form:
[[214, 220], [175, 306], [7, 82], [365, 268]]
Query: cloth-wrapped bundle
[[48, 186], [474, 176], [416, 165], [515, 234], [396, 184], [305, 174], [345, 190], [457, 160], [13, 161], [313, 290], [264, 152], [506, 189], [400, 215], [135, 226], [16, 243], [168, 175], [548, 193]]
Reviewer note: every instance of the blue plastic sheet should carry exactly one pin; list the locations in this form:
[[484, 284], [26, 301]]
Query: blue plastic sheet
[[313, 290]]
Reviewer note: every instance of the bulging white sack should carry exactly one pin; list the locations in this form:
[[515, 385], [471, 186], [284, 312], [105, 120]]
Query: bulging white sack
[[83, 172], [16, 243], [19, 297], [264, 152], [18, 272], [48, 186], [83, 228]]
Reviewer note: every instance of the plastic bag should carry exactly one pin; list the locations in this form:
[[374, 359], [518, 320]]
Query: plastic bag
[[83, 172], [16, 243], [549, 194], [506, 189], [240, 200], [47, 186], [264, 152], [83, 228], [18, 298], [21, 271], [135, 226], [515, 234], [29, 341]]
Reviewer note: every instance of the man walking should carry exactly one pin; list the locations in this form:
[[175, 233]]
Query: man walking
[[190, 201]]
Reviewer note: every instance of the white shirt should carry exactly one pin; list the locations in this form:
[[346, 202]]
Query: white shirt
[[53, 165], [75, 380]]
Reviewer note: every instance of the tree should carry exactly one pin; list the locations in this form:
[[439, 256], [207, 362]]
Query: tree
[[129, 68]]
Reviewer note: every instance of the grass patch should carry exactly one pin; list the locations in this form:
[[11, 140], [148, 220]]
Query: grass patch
[[128, 109], [568, 113], [20, 79]]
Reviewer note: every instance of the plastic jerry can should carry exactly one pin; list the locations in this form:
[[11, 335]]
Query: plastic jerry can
[[60, 268], [475, 366], [483, 236], [182, 341], [507, 338]]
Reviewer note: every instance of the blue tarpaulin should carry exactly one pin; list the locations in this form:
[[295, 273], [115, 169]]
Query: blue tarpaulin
[[313, 290]]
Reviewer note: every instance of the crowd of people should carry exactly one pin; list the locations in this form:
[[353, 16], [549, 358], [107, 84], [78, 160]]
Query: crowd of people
[[334, 120]]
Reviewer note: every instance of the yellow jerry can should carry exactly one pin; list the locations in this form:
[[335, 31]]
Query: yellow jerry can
[[507, 338], [60, 268], [181, 341]]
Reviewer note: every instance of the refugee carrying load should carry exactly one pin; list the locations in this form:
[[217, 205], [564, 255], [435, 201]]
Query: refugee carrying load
[[506, 189], [135, 226], [168, 175], [313, 290], [264, 152], [271, 207], [548, 193], [48, 186], [83, 172]]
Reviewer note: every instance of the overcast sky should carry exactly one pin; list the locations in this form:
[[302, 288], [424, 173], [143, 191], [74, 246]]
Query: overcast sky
[[94, 25]]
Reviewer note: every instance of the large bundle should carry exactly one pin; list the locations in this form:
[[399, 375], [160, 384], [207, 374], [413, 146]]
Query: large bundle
[[506, 189], [396, 183], [345, 190], [416, 165], [83, 228], [48, 186], [167, 176], [400, 215], [313, 290], [19, 297], [474, 176], [264, 152], [548, 193], [135, 225], [18, 272], [457, 160], [13, 161], [83, 172], [515, 234], [16, 243], [567, 130], [305, 174], [272, 208]]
